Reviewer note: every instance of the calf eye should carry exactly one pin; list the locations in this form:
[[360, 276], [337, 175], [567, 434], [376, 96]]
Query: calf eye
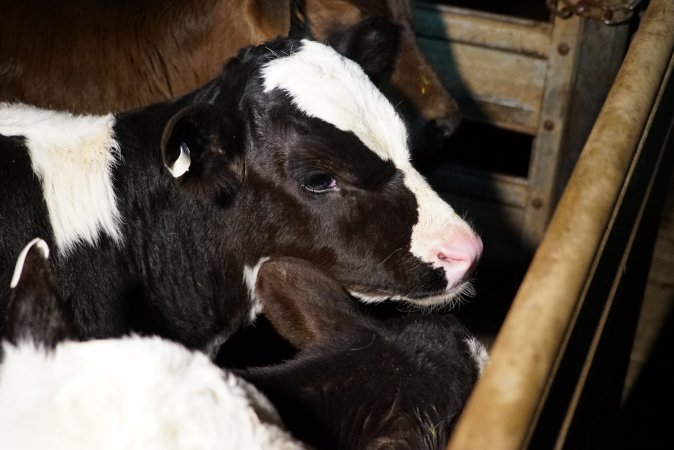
[[320, 183]]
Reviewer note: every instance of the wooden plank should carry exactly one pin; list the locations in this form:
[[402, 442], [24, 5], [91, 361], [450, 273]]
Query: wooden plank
[[546, 150], [509, 34], [490, 187], [503, 89], [585, 56]]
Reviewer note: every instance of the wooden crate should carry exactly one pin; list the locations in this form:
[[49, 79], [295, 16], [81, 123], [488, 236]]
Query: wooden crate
[[558, 362], [546, 80]]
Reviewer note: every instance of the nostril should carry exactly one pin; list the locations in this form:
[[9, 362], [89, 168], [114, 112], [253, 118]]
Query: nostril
[[459, 257], [443, 128], [451, 258]]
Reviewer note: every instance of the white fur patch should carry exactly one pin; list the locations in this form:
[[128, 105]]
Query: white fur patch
[[18, 268], [73, 156], [325, 85], [130, 393], [250, 278], [478, 351]]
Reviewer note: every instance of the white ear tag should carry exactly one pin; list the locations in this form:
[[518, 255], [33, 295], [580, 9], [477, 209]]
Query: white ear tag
[[182, 164], [44, 249]]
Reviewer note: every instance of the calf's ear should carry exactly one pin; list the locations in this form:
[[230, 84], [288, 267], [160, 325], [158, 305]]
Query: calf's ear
[[303, 304], [202, 147], [373, 43], [35, 312]]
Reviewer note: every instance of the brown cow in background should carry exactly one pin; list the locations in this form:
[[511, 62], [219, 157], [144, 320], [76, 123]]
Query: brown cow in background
[[96, 56]]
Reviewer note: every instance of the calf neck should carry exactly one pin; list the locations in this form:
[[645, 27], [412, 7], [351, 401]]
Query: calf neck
[[359, 382]]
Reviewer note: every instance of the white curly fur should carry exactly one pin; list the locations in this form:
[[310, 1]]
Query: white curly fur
[[130, 393]]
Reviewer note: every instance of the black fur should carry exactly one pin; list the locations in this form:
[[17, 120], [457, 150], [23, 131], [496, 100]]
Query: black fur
[[23, 213], [35, 312], [374, 41], [360, 382]]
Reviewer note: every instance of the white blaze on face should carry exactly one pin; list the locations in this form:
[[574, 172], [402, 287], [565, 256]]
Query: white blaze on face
[[73, 156], [325, 85]]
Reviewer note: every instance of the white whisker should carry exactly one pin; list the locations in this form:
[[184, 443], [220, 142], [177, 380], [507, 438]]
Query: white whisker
[[391, 254]]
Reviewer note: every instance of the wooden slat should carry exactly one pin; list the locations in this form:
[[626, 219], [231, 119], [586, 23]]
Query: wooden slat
[[576, 85], [506, 401], [495, 65], [494, 31], [489, 187], [493, 86]]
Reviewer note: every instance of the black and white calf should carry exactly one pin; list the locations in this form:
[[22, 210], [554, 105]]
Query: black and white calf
[[359, 382], [160, 217]]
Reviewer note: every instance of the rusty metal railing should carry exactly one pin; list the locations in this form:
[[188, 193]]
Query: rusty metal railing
[[608, 11]]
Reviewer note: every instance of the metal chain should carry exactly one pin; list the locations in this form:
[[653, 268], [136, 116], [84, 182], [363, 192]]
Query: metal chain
[[602, 10]]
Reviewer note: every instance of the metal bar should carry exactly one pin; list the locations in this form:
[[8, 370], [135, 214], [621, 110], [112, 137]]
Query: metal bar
[[610, 12], [502, 411], [633, 234]]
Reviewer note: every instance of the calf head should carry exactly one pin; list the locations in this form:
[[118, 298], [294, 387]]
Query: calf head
[[399, 383], [401, 70], [323, 173]]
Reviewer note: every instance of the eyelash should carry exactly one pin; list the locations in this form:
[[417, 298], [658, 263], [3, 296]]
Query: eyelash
[[320, 183]]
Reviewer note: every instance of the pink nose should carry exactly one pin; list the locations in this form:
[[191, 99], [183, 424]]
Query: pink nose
[[459, 257]]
